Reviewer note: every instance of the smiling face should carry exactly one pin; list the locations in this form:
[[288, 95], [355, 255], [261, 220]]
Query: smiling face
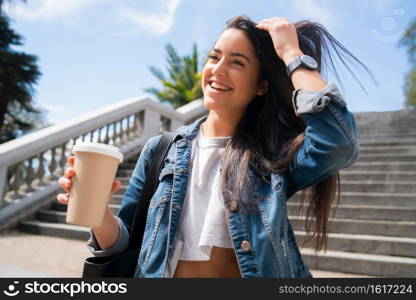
[[230, 78]]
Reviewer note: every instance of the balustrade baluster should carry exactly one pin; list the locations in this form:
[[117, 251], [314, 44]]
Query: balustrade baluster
[[99, 135], [138, 123], [62, 160], [28, 178], [129, 128], [114, 137], [123, 133], [15, 183], [52, 166], [38, 182], [107, 137]]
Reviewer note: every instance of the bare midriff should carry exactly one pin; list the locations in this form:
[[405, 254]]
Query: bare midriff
[[223, 263]]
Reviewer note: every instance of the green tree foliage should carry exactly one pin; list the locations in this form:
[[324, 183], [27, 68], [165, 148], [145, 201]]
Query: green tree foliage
[[409, 41], [183, 84], [18, 74]]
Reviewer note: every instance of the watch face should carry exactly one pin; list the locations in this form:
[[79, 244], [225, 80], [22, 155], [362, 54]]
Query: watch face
[[309, 61]]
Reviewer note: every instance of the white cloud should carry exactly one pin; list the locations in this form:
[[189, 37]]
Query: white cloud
[[318, 10], [48, 10], [72, 12], [156, 23]]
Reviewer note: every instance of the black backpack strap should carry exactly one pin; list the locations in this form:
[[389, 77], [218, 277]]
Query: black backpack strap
[[149, 188]]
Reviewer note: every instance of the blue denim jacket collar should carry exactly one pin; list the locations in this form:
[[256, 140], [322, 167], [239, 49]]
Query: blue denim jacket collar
[[189, 132]]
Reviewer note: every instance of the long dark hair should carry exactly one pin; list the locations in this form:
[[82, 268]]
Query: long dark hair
[[269, 132]]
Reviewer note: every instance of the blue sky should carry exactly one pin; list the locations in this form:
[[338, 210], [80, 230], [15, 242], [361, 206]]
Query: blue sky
[[94, 53]]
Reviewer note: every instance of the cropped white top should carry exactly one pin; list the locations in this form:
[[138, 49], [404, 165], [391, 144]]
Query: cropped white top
[[202, 223]]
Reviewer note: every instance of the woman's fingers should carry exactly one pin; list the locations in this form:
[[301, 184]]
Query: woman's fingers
[[63, 198], [70, 160], [69, 172], [65, 183], [116, 186]]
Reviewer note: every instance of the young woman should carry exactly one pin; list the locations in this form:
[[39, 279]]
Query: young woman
[[275, 127]]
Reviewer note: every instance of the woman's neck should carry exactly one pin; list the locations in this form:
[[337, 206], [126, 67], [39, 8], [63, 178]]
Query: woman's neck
[[217, 125]]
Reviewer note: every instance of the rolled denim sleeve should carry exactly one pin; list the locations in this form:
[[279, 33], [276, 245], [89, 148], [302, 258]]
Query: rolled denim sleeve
[[305, 101], [331, 138], [120, 244]]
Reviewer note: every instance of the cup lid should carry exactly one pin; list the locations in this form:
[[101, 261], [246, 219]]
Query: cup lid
[[98, 148]]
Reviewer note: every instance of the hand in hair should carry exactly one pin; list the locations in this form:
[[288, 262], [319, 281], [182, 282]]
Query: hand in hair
[[284, 37]]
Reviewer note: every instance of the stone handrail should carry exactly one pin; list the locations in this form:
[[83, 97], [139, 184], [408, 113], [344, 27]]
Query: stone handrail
[[31, 165]]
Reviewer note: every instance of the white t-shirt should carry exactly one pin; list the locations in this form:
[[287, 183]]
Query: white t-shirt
[[202, 223]]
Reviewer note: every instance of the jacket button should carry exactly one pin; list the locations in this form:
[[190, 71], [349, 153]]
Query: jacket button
[[246, 246], [233, 205]]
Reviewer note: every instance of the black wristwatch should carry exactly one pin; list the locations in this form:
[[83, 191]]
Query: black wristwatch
[[305, 61]]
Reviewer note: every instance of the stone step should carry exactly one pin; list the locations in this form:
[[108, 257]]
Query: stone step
[[386, 129], [51, 216], [378, 187], [404, 128], [383, 166], [387, 136], [359, 243], [116, 199], [388, 150], [405, 176], [380, 199], [390, 136], [114, 208], [127, 166], [362, 212], [57, 206], [124, 180], [124, 173], [369, 227], [121, 190], [55, 229], [386, 143], [387, 158], [360, 263]]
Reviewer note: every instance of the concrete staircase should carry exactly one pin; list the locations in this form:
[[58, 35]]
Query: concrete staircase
[[374, 229]]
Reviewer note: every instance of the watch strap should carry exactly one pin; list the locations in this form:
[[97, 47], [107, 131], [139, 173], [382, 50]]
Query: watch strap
[[293, 65]]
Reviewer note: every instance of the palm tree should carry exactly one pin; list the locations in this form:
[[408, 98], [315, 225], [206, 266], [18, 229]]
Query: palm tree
[[18, 73], [409, 41], [184, 83]]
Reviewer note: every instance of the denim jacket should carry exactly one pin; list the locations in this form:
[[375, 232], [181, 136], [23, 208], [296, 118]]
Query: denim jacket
[[264, 241]]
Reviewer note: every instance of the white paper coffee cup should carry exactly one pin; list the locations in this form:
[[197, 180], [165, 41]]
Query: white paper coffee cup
[[95, 168]]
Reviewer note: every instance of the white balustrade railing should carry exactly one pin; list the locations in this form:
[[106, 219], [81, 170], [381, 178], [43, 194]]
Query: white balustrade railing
[[31, 165]]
